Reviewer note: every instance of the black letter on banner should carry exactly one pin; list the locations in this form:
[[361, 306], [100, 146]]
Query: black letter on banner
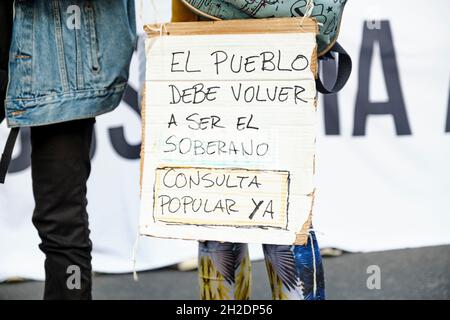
[[395, 106], [122, 147], [23, 160], [330, 101]]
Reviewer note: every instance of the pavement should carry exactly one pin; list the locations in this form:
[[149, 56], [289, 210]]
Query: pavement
[[418, 273]]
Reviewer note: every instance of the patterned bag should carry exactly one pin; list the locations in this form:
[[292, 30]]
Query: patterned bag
[[328, 14]]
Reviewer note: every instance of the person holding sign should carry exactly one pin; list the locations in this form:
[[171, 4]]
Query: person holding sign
[[295, 271]]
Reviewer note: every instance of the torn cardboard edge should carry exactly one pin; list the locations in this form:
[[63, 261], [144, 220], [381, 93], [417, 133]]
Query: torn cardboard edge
[[301, 238], [143, 127]]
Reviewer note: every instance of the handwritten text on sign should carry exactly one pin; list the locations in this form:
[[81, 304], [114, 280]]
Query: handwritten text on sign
[[221, 196], [229, 136]]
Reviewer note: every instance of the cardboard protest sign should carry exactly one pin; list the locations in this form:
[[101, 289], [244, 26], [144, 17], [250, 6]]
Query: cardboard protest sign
[[229, 130]]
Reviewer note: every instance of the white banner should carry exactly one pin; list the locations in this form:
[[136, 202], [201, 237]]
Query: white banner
[[383, 152]]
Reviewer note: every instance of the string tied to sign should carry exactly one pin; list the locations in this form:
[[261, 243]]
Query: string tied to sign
[[160, 29], [309, 233], [156, 18]]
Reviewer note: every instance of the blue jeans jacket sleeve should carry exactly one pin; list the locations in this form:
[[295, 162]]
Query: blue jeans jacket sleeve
[[69, 59]]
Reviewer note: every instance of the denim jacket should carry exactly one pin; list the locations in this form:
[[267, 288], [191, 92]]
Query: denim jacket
[[68, 59]]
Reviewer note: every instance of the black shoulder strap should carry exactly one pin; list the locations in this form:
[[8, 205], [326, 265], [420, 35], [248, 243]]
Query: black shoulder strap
[[7, 153], [343, 72], [3, 85]]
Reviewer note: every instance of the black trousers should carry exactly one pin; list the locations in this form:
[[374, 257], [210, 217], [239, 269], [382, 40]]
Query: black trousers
[[60, 167]]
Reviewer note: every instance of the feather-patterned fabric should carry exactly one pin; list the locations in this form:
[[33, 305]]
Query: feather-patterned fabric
[[328, 13], [295, 272]]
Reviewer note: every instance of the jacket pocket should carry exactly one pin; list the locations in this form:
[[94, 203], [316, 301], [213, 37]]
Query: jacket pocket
[[92, 35]]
